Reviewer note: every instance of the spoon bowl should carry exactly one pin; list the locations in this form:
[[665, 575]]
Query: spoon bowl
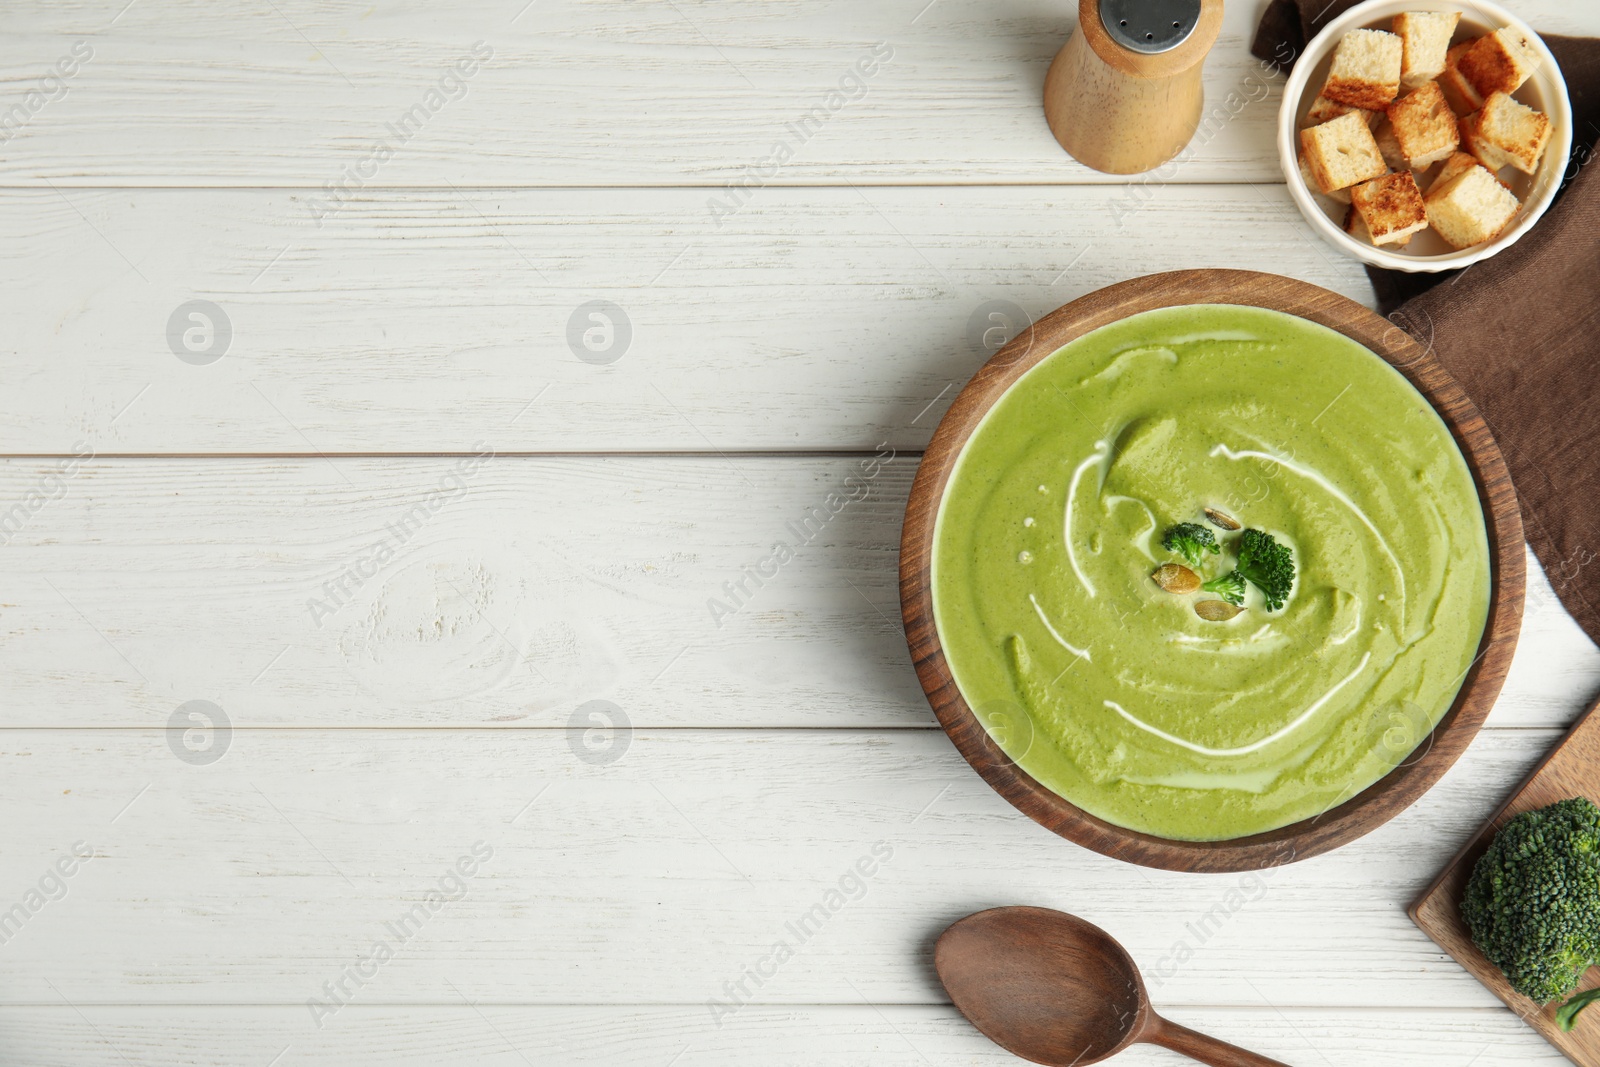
[[1054, 989]]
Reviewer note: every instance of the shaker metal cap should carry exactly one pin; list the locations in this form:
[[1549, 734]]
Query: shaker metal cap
[[1149, 26]]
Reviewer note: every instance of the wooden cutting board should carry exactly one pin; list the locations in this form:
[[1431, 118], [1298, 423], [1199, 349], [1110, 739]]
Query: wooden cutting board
[[1572, 769]]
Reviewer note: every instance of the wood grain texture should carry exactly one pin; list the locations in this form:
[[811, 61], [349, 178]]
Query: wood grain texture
[[422, 316], [546, 582], [843, 1035], [603, 93], [1373, 806], [511, 594], [425, 322], [606, 92], [626, 882], [1572, 769]]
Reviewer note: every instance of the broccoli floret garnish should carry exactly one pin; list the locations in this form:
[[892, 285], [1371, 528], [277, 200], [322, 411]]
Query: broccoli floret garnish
[[1192, 541], [1229, 587], [1267, 565], [1533, 901]]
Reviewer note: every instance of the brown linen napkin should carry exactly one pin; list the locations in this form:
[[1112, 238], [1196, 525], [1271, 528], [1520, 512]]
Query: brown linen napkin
[[1520, 331]]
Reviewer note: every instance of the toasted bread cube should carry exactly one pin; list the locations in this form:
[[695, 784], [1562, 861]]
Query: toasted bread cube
[[1458, 163], [1507, 132], [1391, 207], [1424, 126], [1342, 153], [1471, 208], [1366, 70], [1499, 62], [1341, 196], [1325, 110], [1424, 40], [1462, 94], [1358, 229], [1468, 125], [1389, 146], [1354, 226]]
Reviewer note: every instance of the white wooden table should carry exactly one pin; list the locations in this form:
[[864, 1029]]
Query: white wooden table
[[200, 519]]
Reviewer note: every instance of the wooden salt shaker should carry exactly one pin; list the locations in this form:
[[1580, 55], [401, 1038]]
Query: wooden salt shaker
[[1124, 94]]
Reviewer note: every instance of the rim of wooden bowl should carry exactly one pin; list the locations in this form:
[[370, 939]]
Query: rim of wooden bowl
[[1376, 804]]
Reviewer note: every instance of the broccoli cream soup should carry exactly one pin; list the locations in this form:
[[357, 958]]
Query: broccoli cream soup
[[1191, 707]]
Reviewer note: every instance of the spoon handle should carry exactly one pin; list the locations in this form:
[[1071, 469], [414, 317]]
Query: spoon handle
[[1198, 1046]]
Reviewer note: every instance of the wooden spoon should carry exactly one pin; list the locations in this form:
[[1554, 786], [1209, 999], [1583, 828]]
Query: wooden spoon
[[1059, 991]]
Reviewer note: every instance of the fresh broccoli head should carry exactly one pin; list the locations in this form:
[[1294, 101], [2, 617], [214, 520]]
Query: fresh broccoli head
[[1267, 565], [1192, 541], [1533, 901], [1229, 587]]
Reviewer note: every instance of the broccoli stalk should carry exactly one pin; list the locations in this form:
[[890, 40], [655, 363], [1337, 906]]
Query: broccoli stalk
[[1533, 901], [1192, 541], [1266, 565], [1229, 587], [1567, 1015]]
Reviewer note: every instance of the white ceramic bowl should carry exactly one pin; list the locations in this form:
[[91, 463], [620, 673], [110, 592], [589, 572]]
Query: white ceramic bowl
[[1546, 90]]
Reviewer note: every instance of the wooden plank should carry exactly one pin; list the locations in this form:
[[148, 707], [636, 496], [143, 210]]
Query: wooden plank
[[430, 321], [536, 585], [663, 873], [1554, 676], [600, 93], [1571, 770], [850, 1035]]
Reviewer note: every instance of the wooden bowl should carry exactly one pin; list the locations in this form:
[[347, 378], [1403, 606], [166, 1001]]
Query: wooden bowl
[[1368, 809]]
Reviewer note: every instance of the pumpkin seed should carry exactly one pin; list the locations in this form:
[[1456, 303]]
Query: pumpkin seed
[[1222, 519], [1216, 610], [1176, 578]]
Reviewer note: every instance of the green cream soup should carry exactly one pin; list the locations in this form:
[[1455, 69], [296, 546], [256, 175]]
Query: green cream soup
[[1113, 692]]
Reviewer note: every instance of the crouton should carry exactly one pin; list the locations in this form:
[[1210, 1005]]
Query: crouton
[[1470, 208], [1468, 125], [1389, 146], [1458, 163], [1499, 62], [1424, 126], [1339, 195], [1342, 153], [1325, 110], [1391, 207], [1358, 229], [1461, 93], [1424, 40], [1507, 133], [1366, 70]]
